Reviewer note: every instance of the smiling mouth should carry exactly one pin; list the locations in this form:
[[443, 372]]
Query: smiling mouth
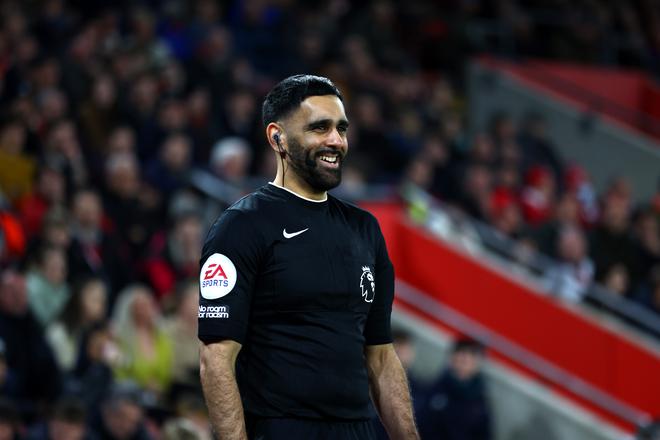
[[329, 161], [329, 158]]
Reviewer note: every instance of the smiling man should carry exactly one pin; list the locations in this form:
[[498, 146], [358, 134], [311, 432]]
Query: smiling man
[[296, 292]]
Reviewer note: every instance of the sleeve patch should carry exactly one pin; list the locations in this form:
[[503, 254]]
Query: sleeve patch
[[217, 277]]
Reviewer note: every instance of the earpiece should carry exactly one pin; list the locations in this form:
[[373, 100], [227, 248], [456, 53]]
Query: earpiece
[[276, 138]]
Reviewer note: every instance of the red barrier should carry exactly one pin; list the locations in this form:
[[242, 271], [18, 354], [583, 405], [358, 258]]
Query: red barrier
[[609, 361]]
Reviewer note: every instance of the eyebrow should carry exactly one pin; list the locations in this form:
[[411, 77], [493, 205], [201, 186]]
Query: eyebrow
[[324, 122]]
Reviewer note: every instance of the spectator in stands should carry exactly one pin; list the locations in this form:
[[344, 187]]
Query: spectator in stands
[[203, 128], [617, 280], [99, 113], [192, 414], [55, 231], [47, 287], [370, 141], [93, 250], [181, 328], [502, 130], [611, 246], [121, 140], [648, 292], [504, 213], [646, 233], [578, 183], [240, 115], [175, 255], [181, 429], [12, 237], [16, 166], [27, 352], [566, 214], [86, 307], [458, 406], [475, 193], [9, 421], [537, 197], [134, 210], [49, 192], [483, 151], [169, 171], [98, 355], [573, 273], [537, 148], [122, 415], [141, 112], [650, 431], [147, 352], [436, 153], [172, 111], [62, 149], [230, 160], [67, 421]]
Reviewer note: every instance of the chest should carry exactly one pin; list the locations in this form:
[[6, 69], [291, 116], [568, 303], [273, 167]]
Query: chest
[[329, 266]]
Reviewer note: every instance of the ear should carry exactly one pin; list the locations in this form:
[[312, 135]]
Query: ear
[[275, 136]]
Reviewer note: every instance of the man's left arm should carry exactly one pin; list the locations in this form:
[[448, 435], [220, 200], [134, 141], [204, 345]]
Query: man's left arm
[[390, 392]]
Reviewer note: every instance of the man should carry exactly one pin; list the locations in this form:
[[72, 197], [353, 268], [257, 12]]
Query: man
[[27, 353], [67, 421], [458, 406], [296, 293], [122, 415]]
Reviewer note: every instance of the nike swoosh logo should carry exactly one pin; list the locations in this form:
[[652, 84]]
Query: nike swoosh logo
[[293, 234]]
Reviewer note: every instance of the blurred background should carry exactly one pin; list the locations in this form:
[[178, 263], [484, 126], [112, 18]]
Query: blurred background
[[510, 150]]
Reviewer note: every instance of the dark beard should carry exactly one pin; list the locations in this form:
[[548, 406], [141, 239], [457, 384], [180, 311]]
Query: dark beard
[[304, 164]]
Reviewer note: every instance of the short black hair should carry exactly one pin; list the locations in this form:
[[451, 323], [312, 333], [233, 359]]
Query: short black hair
[[289, 93], [467, 345], [69, 409]]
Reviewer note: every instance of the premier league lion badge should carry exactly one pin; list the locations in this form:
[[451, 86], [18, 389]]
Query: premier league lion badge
[[367, 284]]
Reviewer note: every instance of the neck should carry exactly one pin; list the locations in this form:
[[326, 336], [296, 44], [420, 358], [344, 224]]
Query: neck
[[295, 184]]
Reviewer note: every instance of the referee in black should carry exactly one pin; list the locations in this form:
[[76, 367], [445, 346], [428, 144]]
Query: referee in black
[[296, 292]]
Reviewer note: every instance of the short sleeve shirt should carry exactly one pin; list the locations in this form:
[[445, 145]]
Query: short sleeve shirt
[[303, 286]]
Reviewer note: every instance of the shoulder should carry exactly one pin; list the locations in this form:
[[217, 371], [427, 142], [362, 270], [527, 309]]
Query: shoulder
[[241, 226], [359, 219], [242, 214], [353, 212]]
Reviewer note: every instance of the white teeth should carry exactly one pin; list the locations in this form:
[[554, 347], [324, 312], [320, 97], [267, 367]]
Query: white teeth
[[330, 159]]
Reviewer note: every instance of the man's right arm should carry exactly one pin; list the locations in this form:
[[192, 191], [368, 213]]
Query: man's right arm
[[218, 376]]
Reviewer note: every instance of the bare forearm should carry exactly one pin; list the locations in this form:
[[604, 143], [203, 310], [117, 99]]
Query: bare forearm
[[391, 395], [222, 397]]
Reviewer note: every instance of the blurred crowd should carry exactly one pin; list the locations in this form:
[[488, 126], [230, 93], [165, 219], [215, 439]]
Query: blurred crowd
[[113, 114], [511, 178]]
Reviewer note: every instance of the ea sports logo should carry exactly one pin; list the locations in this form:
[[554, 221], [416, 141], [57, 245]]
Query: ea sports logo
[[217, 277]]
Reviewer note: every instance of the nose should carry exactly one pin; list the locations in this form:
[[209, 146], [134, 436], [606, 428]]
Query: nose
[[336, 139]]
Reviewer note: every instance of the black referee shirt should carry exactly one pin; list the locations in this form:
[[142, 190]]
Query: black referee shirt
[[303, 286]]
